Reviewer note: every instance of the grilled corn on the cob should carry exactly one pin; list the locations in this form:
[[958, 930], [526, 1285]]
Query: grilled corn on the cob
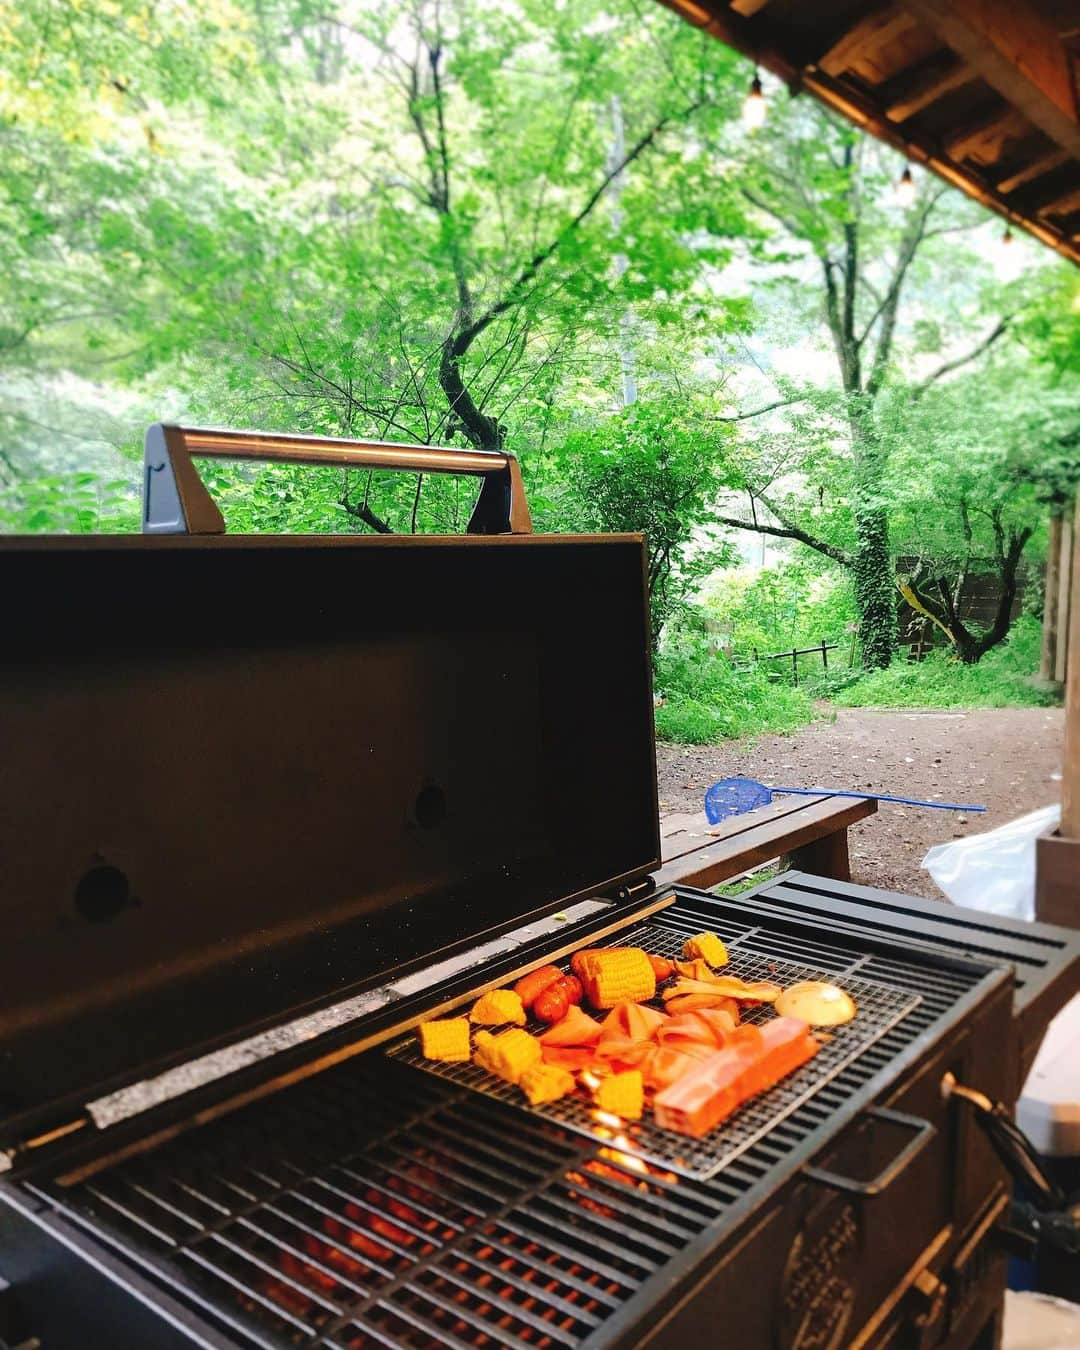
[[623, 1094], [611, 977], [498, 1006], [546, 1083], [708, 946], [446, 1040], [507, 1055]]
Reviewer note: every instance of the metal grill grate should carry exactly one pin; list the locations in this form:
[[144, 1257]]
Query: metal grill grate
[[880, 1009], [373, 1206]]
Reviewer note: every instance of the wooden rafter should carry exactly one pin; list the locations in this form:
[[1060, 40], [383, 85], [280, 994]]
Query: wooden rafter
[[985, 130], [1025, 170], [868, 35], [901, 107], [1017, 52], [925, 85]]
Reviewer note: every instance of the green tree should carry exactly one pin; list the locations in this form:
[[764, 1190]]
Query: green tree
[[827, 189], [651, 469]]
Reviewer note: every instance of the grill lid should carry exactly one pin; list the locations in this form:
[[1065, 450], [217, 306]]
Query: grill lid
[[246, 777]]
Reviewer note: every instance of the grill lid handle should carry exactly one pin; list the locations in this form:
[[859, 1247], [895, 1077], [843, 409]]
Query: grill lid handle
[[924, 1133], [176, 501]]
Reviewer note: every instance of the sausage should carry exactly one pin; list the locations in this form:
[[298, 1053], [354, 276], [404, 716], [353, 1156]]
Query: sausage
[[554, 1002], [662, 967], [531, 986]]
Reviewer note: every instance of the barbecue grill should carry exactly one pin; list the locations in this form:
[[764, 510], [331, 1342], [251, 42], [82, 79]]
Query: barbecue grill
[[267, 803]]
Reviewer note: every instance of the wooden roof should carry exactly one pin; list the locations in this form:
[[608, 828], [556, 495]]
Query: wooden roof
[[983, 92]]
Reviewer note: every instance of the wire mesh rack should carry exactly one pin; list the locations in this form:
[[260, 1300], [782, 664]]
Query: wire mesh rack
[[880, 1008]]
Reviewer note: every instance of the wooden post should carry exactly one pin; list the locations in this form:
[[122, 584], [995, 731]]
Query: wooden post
[[795, 665], [1057, 855], [1070, 773], [824, 655], [1064, 605], [1048, 659]]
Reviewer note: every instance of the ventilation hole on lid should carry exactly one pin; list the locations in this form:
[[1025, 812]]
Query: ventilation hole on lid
[[102, 893]]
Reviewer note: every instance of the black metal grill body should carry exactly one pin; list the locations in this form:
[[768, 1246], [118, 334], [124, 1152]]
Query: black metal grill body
[[372, 1205]]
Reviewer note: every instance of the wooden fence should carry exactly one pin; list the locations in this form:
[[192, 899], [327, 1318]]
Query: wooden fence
[[823, 647]]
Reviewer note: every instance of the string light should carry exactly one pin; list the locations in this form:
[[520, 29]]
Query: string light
[[1007, 237], [755, 108], [905, 189]]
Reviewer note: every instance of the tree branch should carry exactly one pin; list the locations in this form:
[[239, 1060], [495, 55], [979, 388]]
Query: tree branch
[[786, 530], [958, 361], [757, 412]]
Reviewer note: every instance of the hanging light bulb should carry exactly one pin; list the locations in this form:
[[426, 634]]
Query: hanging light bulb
[[754, 108], [905, 189], [1007, 237]]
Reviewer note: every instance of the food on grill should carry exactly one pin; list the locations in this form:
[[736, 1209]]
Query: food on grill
[[623, 1094], [687, 1032], [630, 1021], [531, 986], [576, 1028], [446, 1040], [620, 1053], [557, 999], [707, 946], [496, 1007], [817, 1002], [697, 969], [663, 969], [756, 1059], [683, 1003], [611, 976], [569, 1056], [666, 1065], [728, 986], [508, 1054], [546, 1083]]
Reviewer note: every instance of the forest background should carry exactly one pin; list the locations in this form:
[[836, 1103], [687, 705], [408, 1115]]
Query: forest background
[[545, 228]]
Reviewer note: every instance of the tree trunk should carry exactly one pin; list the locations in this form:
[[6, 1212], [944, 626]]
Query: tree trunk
[[874, 589], [1048, 658]]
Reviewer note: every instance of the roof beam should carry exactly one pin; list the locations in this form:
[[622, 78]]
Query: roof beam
[[915, 92], [1011, 45], [1018, 172], [864, 37], [748, 8], [989, 128]]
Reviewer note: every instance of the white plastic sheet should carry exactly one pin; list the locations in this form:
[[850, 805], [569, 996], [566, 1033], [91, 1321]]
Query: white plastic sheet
[[995, 871]]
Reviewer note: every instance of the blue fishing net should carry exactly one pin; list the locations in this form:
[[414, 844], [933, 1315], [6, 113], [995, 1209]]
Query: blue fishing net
[[733, 796]]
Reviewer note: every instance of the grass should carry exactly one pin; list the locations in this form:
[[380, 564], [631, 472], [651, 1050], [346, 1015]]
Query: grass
[[1002, 679], [707, 701]]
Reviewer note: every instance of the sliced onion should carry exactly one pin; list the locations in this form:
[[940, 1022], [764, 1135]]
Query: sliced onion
[[816, 1002]]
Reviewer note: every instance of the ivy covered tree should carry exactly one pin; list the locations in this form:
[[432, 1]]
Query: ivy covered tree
[[854, 261]]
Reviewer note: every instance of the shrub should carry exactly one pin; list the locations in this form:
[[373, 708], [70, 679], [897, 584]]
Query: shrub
[[706, 700], [1003, 678]]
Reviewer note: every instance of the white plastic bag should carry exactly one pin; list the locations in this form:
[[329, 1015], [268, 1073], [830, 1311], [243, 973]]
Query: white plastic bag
[[995, 871]]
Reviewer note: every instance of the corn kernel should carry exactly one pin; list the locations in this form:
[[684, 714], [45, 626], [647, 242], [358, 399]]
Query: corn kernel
[[708, 946], [498, 1006], [447, 1040]]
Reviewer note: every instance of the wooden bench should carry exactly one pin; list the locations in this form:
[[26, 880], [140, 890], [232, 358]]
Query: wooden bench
[[811, 831]]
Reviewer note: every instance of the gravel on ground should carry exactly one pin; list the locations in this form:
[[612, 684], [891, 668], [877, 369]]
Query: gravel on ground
[[1006, 758]]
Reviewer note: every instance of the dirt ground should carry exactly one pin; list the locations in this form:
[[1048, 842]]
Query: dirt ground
[[1007, 758]]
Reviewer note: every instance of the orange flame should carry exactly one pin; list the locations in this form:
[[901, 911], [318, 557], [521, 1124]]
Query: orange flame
[[608, 1118]]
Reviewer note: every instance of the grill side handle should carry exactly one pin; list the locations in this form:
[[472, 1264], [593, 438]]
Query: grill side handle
[[176, 500], [924, 1132]]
